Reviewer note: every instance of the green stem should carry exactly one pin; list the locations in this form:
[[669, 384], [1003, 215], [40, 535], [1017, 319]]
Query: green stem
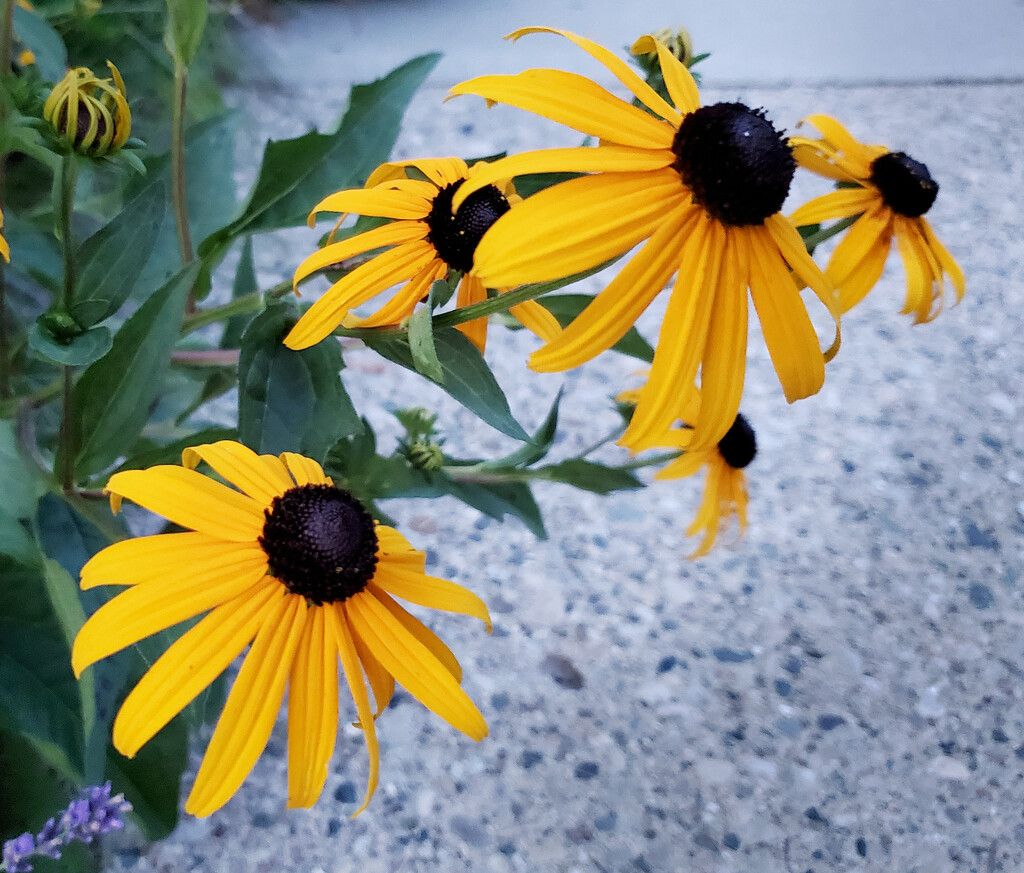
[[818, 237], [37, 398], [239, 306], [178, 190], [205, 358], [6, 52], [65, 209]]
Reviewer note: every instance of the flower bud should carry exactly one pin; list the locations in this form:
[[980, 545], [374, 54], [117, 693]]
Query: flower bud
[[89, 113]]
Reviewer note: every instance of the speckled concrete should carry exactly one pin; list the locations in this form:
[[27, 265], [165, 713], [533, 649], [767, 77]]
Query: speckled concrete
[[838, 691]]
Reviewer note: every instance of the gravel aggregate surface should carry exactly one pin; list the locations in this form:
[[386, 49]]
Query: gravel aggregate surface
[[840, 690]]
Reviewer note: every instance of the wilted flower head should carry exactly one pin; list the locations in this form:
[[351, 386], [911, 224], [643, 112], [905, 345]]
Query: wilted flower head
[[89, 113]]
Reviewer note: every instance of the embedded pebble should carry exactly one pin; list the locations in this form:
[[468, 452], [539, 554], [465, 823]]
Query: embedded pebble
[[948, 768]]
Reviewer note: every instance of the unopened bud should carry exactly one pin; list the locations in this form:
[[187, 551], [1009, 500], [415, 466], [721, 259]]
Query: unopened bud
[[89, 113]]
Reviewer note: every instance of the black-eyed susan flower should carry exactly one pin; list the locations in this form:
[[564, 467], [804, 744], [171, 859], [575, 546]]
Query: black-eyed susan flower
[[298, 569], [89, 113], [725, 486], [424, 242], [5, 249], [703, 185], [890, 193]]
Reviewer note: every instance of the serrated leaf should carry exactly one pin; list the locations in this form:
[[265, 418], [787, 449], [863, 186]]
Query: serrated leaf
[[43, 41], [112, 259], [590, 476], [290, 400], [82, 350], [186, 20], [113, 397], [465, 376], [297, 173], [565, 307]]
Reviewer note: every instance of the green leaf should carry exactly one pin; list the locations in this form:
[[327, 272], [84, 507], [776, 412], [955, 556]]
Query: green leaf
[[186, 20], [39, 697], [499, 499], [539, 444], [15, 540], [297, 173], [290, 400], [44, 42], [112, 259], [565, 307], [79, 351], [465, 376], [421, 345], [113, 397], [590, 476], [20, 486]]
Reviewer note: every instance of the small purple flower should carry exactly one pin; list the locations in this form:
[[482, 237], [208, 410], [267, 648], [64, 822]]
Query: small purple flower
[[93, 813]]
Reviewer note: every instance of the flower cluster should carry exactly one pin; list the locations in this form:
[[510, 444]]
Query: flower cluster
[[92, 814]]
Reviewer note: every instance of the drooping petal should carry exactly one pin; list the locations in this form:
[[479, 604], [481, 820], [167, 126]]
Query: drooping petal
[[393, 234], [365, 281], [813, 155], [382, 683], [381, 202], [402, 304], [441, 171], [576, 102], [788, 332], [612, 312], [430, 591], [857, 154], [838, 204], [472, 290], [261, 477], [617, 67], [251, 709], [413, 665], [420, 631], [338, 623], [859, 258], [725, 350], [590, 159], [865, 273], [163, 556], [160, 603], [683, 336], [931, 299], [312, 712], [538, 320], [678, 80], [197, 658], [576, 225], [949, 265], [304, 470], [191, 500]]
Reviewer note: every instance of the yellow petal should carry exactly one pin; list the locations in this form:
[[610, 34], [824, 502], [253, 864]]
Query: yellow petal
[[402, 304], [365, 281], [382, 683], [604, 158], [160, 603], [419, 630], [396, 233], [538, 320], [472, 290], [394, 548], [725, 351], [859, 155], [683, 336], [949, 265], [191, 500], [607, 318], [576, 225], [163, 556], [814, 156], [251, 709], [304, 470], [194, 660], [576, 102], [312, 712], [338, 625], [788, 332], [617, 67], [865, 273], [678, 80], [430, 591], [382, 202], [261, 477], [872, 230], [441, 171], [413, 665], [839, 204]]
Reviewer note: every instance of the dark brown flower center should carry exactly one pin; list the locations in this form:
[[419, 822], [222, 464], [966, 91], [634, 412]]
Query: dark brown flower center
[[320, 543], [906, 185], [738, 447], [735, 162], [455, 237]]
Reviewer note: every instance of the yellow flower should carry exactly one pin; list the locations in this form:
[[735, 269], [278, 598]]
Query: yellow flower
[[5, 249], [890, 194], [703, 186], [300, 570], [725, 487], [425, 242], [90, 113]]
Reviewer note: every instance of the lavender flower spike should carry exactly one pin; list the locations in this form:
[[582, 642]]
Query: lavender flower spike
[[93, 813]]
